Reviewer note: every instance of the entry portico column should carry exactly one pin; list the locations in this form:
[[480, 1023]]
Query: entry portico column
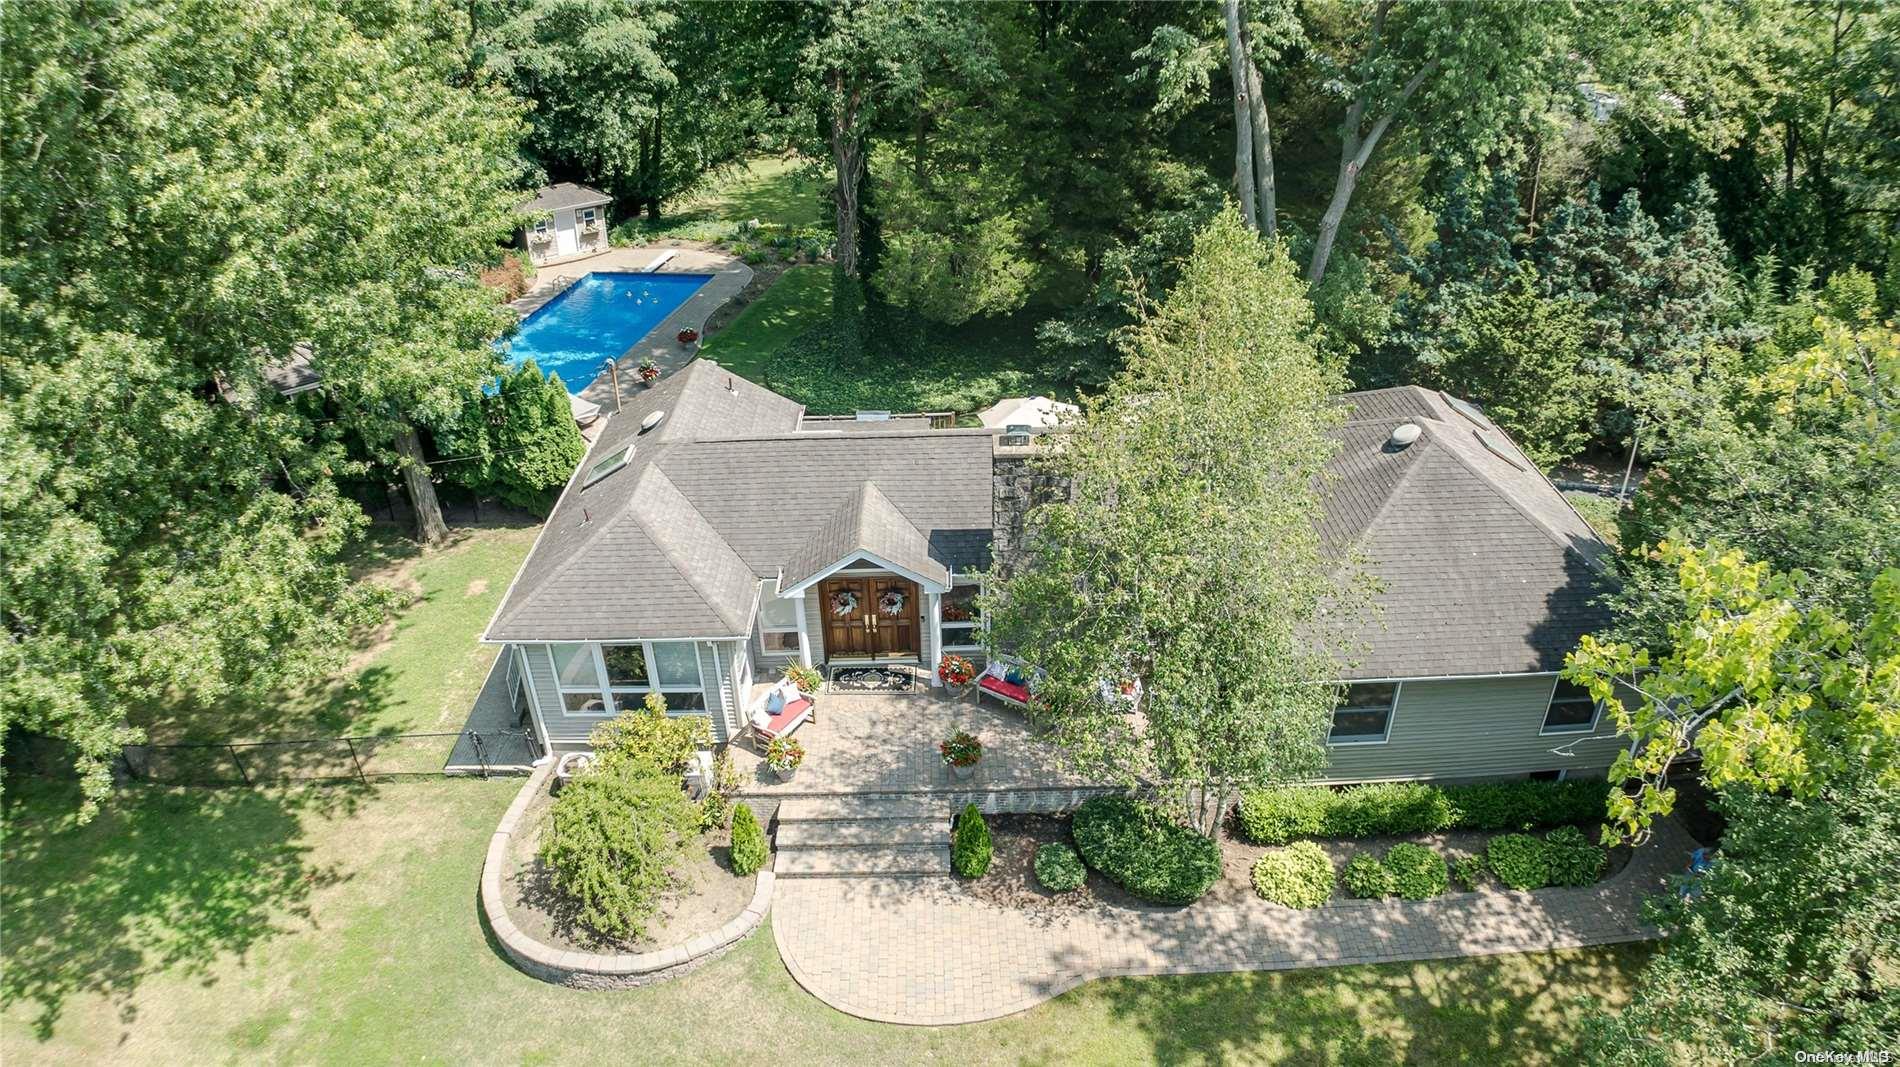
[[804, 632], [934, 604]]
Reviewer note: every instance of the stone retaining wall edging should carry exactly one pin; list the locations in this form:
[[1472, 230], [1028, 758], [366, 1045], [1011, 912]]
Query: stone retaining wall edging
[[591, 970]]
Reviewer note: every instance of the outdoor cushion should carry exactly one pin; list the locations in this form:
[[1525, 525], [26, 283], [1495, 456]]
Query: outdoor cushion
[[1014, 676], [1018, 693], [774, 702], [783, 720]]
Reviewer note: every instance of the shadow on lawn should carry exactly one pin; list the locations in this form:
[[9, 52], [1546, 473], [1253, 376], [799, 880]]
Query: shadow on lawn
[[162, 881], [1504, 1009]]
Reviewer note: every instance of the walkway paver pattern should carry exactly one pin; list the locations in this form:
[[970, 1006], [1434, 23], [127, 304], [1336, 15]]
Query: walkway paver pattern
[[923, 951]]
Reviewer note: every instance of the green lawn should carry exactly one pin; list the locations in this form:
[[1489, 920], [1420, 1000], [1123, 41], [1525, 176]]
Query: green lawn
[[778, 191], [798, 301], [338, 925]]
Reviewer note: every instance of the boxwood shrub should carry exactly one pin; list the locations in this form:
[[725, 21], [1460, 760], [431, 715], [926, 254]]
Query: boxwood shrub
[[1573, 860], [1519, 860], [748, 841], [1298, 876], [1059, 869], [1368, 879], [1418, 873], [1278, 815], [1142, 850]]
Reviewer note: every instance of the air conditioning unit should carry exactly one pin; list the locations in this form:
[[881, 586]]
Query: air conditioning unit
[[1016, 435]]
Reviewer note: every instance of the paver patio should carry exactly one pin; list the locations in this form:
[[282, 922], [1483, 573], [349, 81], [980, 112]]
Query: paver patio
[[922, 951]]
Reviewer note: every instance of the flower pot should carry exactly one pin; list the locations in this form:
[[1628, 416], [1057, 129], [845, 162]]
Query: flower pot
[[963, 774], [784, 773]]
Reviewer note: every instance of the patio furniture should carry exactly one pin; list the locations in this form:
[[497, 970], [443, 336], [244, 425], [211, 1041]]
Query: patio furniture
[[996, 681], [780, 711]]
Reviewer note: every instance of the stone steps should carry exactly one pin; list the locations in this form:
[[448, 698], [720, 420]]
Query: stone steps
[[862, 836], [862, 861], [895, 833]]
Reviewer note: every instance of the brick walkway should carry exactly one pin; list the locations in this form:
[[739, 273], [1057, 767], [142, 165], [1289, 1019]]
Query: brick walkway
[[921, 951]]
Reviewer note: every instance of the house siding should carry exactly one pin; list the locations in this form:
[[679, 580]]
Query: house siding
[[1471, 728]]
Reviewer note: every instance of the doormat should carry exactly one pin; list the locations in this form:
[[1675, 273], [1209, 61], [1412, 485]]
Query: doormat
[[872, 680]]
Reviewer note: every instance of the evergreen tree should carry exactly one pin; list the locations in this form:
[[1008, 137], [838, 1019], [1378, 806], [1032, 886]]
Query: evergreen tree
[[518, 446]]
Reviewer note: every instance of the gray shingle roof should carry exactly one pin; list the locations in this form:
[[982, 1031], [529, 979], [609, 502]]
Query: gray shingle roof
[[563, 195], [728, 482], [867, 521], [1485, 568]]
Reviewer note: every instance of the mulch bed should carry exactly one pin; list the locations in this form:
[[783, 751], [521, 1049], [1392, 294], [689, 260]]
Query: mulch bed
[[707, 897], [1011, 881]]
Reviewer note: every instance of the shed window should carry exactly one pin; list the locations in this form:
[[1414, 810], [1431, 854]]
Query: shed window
[[1572, 709], [1364, 715]]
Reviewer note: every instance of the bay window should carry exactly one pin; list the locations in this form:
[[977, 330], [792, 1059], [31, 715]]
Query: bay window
[[603, 680]]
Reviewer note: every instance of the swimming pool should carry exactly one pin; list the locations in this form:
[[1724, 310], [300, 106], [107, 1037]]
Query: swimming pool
[[595, 319]]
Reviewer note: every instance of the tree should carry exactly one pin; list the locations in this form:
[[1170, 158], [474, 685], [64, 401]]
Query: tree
[[192, 191], [1776, 692], [519, 446], [1185, 561], [1519, 354], [1782, 943]]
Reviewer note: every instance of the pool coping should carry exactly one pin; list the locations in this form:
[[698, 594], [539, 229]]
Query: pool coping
[[727, 278]]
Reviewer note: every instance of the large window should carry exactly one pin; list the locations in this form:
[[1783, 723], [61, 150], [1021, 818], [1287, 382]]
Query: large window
[[1364, 715], [605, 679], [778, 619], [1572, 710], [960, 618]]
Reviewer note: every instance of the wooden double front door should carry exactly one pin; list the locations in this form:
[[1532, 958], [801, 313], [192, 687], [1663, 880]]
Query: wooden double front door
[[860, 621]]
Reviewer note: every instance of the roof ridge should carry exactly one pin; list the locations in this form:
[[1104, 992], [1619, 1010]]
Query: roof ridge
[[579, 551], [699, 585], [1358, 541], [1511, 501]]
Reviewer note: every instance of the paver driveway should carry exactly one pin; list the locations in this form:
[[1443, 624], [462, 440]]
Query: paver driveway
[[920, 950]]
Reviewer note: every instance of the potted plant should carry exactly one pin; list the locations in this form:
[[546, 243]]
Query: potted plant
[[783, 755], [956, 671], [688, 336], [649, 371], [960, 754], [805, 678]]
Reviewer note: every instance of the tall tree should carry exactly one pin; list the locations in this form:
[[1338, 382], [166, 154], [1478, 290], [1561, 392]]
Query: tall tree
[[1186, 560], [192, 190]]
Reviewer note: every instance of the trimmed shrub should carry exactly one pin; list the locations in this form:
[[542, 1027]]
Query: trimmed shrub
[[647, 734], [970, 847], [1276, 816], [1368, 879], [1389, 808], [1142, 850], [748, 841], [614, 838], [1418, 873], [1572, 858], [1298, 876], [1469, 871], [1519, 860], [1059, 869]]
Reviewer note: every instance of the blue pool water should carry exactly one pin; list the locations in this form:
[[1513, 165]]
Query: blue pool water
[[597, 318]]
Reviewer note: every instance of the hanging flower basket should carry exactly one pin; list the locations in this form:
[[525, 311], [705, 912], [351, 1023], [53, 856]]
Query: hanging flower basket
[[890, 603], [843, 603]]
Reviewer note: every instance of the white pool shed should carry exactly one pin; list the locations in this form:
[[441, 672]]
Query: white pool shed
[[568, 220]]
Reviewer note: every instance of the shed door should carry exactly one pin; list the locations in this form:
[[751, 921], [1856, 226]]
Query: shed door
[[565, 243]]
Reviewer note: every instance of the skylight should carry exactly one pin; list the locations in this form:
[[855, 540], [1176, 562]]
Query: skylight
[[614, 461], [1468, 410], [1497, 448]]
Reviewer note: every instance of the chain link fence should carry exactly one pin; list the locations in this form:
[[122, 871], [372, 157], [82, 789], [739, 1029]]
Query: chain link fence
[[336, 759]]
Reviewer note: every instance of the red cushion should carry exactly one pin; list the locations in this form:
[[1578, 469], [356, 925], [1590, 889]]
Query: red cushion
[[1018, 693], [788, 715]]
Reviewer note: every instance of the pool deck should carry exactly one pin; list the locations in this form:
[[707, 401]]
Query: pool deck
[[729, 277]]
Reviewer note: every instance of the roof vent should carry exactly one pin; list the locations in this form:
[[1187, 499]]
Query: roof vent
[[653, 419], [1403, 434]]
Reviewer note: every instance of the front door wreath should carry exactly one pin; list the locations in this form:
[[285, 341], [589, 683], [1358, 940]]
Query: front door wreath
[[843, 603], [890, 603]]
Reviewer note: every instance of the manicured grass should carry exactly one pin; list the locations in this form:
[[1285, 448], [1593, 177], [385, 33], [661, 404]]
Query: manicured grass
[[338, 925], [779, 191], [417, 674], [799, 300]]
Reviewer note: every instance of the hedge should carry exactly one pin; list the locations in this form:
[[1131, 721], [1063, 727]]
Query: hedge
[[1298, 876], [1276, 816], [1059, 869], [1140, 849], [971, 848]]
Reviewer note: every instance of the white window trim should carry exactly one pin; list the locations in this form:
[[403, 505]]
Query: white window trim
[[798, 618], [610, 693], [971, 630], [1546, 730], [1391, 716]]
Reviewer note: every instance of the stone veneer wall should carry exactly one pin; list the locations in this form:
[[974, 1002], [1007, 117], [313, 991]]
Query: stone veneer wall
[[1015, 487]]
